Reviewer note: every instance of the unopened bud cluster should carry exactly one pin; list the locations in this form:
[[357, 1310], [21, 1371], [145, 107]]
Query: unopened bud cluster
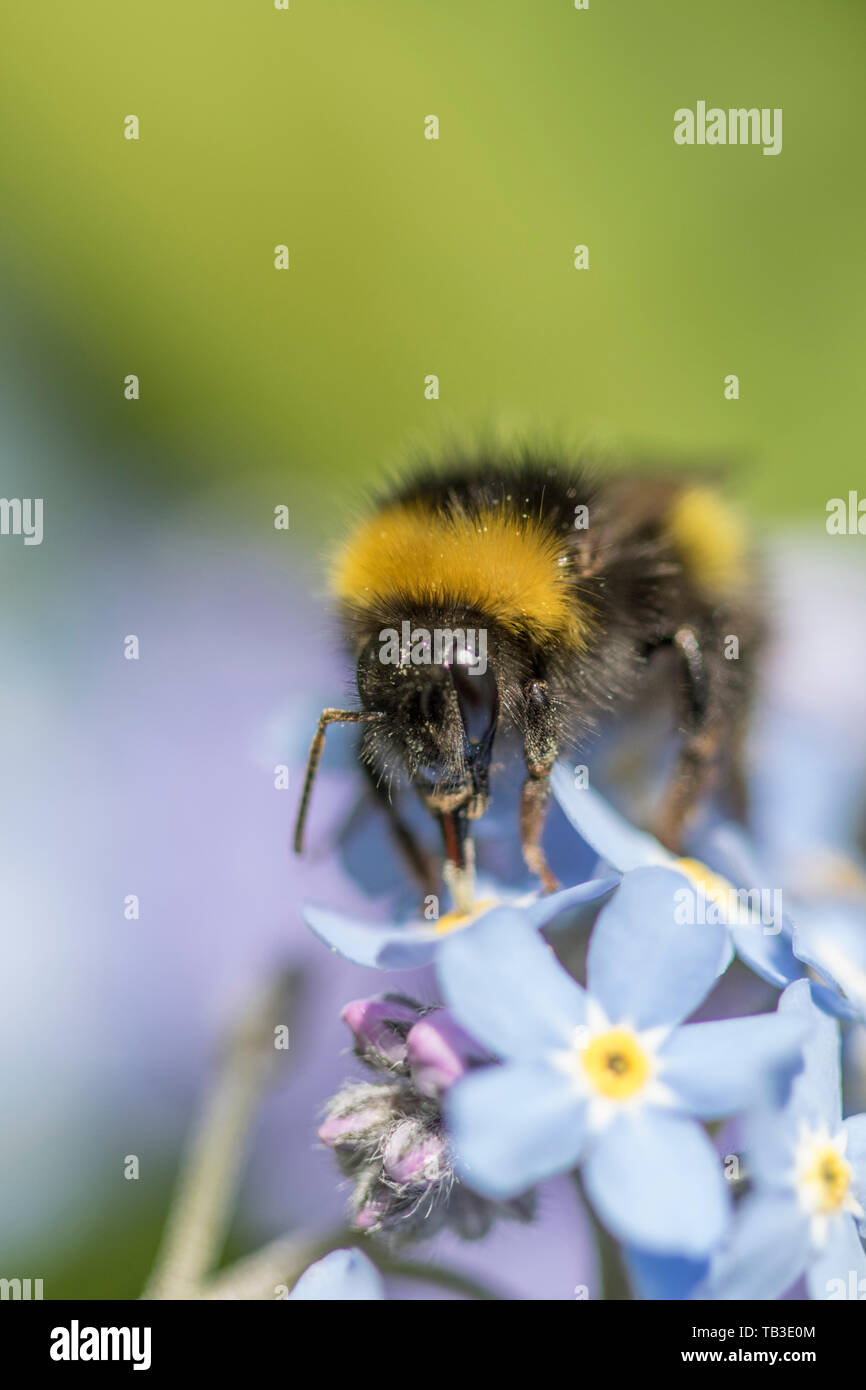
[[388, 1135]]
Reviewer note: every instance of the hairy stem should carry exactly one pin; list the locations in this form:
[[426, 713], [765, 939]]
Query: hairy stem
[[270, 1272], [210, 1171]]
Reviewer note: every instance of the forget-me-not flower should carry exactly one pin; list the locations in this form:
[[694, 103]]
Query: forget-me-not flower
[[606, 1077], [808, 1171], [416, 943], [733, 886]]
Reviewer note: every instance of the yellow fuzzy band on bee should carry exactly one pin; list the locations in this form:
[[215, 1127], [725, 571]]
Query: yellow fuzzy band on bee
[[510, 567], [709, 538]]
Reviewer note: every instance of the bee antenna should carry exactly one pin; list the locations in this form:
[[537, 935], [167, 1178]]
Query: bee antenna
[[328, 716]]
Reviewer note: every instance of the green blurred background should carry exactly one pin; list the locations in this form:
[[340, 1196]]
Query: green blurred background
[[454, 257]]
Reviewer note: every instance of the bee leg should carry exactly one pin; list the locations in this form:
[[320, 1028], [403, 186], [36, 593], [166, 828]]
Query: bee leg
[[421, 863], [534, 799], [314, 757], [540, 749], [704, 730], [695, 774], [737, 781]]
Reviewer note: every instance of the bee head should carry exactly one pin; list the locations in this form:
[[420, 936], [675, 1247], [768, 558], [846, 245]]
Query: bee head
[[440, 703]]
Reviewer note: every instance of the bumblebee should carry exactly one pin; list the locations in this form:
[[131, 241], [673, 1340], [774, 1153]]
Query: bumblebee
[[570, 583]]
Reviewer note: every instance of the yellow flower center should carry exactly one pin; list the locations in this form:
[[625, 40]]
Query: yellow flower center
[[827, 1178], [455, 921], [616, 1064], [714, 885]]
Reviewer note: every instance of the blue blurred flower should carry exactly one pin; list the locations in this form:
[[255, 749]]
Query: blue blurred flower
[[606, 1077], [343, 1275], [807, 757], [808, 1170], [806, 790], [731, 886], [807, 747], [416, 943]]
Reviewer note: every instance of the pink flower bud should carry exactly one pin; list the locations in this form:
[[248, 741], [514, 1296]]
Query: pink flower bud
[[439, 1052], [380, 1026], [342, 1129], [370, 1216], [413, 1155]]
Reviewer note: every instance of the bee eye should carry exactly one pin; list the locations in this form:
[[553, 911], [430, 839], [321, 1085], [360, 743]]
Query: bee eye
[[478, 699]]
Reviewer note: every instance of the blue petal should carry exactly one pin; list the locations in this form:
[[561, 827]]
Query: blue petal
[[830, 1002], [342, 1275], [366, 943], [601, 826], [643, 965], [655, 1179], [855, 1128], [726, 849], [770, 1141], [770, 955], [832, 941], [511, 1126], [766, 1253], [544, 910], [837, 1269], [793, 751], [716, 1069], [667, 1277], [386, 947], [817, 1091], [504, 984]]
